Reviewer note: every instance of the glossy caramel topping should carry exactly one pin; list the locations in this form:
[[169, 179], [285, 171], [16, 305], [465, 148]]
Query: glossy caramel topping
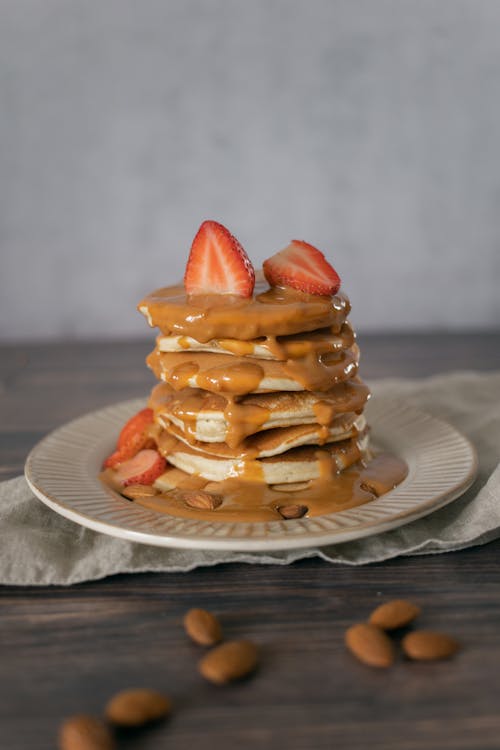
[[274, 441], [246, 415], [270, 312], [226, 373], [294, 346], [254, 501]]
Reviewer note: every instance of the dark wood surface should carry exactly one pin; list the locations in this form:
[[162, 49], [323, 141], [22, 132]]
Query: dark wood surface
[[65, 651]]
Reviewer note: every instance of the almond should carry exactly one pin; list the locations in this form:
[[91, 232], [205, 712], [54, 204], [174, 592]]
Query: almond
[[133, 708], [427, 645], [292, 511], [138, 491], [394, 614], [203, 627], [370, 644], [231, 661], [201, 500], [85, 733]]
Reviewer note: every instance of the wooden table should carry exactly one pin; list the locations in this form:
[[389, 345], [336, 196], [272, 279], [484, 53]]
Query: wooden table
[[65, 651]]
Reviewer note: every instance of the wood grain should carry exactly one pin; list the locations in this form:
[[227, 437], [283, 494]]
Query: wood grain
[[67, 650]]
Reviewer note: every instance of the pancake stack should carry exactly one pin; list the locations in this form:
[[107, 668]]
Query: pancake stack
[[262, 389], [258, 411]]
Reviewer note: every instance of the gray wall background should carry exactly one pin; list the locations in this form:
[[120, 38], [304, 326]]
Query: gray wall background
[[369, 128]]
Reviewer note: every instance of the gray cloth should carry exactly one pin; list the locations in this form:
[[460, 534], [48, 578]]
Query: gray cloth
[[40, 547]]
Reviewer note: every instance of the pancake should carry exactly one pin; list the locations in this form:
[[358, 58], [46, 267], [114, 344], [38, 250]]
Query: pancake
[[281, 348], [269, 312], [214, 417], [226, 373], [270, 442], [296, 465]]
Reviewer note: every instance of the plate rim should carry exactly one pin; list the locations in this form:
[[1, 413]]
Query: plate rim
[[309, 539]]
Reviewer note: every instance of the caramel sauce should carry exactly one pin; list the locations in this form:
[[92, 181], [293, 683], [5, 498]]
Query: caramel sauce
[[294, 346], [239, 378], [270, 312], [249, 414], [243, 420], [244, 499], [226, 373], [260, 443]]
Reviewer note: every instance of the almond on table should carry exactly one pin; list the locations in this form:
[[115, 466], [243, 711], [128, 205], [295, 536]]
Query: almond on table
[[394, 614], [428, 645], [135, 707], [203, 627], [370, 645], [85, 733], [233, 660]]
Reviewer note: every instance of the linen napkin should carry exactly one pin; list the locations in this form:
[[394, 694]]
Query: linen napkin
[[39, 547]]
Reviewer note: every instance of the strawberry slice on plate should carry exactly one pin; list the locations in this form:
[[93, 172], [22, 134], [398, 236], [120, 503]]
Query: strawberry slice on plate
[[132, 438], [218, 264], [302, 267], [144, 468]]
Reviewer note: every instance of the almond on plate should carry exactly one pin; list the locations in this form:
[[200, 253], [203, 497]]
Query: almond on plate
[[200, 499]]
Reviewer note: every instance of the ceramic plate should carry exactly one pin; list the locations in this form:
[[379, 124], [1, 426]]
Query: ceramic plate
[[62, 471]]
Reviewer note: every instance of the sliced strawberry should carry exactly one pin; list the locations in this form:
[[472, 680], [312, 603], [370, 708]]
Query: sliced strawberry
[[128, 450], [115, 459], [302, 267], [217, 263], [135, 425], [143, 468], [133, 438]]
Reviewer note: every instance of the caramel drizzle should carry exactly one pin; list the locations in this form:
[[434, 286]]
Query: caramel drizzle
[[246, 500], [244, 416], [270, 312], [228, 374]]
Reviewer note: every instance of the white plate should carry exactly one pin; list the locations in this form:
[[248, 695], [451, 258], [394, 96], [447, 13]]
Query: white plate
[[62, 470]]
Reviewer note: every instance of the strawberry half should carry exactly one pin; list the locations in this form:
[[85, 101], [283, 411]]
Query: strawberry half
[[217, 263], [302, 267], [136, 425], [132, 438], [143, 468]]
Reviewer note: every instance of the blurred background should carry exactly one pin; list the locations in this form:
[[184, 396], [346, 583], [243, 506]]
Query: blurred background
[[369, 128]]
